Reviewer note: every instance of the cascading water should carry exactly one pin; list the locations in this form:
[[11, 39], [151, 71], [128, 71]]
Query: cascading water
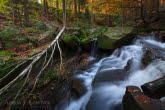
[[106, 81]]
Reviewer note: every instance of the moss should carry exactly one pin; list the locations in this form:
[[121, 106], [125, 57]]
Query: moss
[[41, 26], [106, 43], [50, 75], [85, 41], [8, 33], [117, 32], [70, 38], [6, 66], [112, 35]]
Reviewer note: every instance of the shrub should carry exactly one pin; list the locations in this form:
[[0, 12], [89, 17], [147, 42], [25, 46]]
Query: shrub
[[41, 26], [8, 33]]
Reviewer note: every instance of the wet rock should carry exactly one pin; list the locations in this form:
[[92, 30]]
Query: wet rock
[[107, 74], [124, 41], [110, 76], [78, 87], [155, 89], [162, 37], [147, 58], [152, 51], [134, 99]]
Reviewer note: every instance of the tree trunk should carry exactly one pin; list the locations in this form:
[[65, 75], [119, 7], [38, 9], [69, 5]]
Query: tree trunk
[[26, 12], [79, 6], [64, 12], [142, 11], [57, 6], [157, 8], [75, 7], [46, 9], [13, 12]]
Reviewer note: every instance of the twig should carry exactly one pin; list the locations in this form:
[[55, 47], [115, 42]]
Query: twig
[[61, 64]]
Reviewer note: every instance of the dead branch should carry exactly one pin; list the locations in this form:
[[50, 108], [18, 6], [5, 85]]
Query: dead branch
[[27, 70]]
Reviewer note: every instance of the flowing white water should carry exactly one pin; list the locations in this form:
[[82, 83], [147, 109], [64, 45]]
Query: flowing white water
[[107, 95]]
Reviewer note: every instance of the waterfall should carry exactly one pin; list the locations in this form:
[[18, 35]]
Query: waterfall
[[93, 49], [106, 81]]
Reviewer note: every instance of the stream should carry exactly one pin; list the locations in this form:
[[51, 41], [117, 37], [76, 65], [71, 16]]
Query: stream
[[107, 79]]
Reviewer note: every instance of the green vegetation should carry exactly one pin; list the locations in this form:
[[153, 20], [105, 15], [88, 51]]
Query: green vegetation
[[6, 62]]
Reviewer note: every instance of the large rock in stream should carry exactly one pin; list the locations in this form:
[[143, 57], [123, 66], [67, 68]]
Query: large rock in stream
[[134, 99], [155, 89], [78, 87], [114, 68], [115, 37]]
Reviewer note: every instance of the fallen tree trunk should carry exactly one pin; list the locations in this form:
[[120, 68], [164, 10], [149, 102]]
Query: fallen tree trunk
[[155, 89], [26, 72]]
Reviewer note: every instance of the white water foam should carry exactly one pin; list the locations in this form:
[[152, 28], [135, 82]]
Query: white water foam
[[110, 94]]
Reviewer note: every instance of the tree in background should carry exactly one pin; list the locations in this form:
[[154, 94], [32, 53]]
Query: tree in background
[[26, 12]]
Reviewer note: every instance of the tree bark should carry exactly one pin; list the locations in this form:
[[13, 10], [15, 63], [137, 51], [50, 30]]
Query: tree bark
[[13, 12], [157, 8], [79, 6], [64, 12], [26, 12], [46, 9], [57, 6], [75, 7]]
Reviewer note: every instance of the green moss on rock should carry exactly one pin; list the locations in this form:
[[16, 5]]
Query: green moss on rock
[[111, 36]]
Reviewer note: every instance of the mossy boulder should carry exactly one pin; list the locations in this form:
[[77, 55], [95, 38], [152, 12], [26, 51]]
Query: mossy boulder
[[71, 41], [111, 36]]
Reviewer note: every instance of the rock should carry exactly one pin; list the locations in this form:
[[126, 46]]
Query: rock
[[78, 87], [162, 36], [152, 52], [124, 41], [155, 89], [71, 41], [113, 35], [147, 58], [107, 74], [134, 99]]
